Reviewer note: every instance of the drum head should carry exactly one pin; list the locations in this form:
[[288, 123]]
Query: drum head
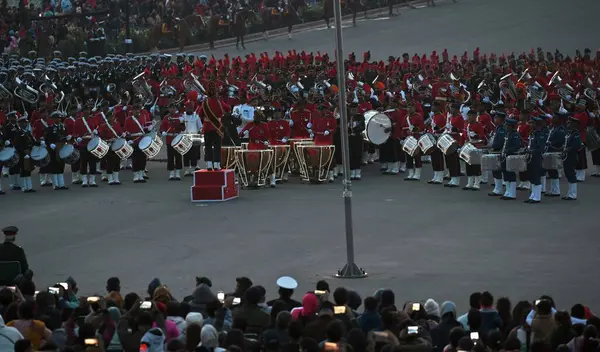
[[376, 126], [145, 142], [6, 154], [38, 153], [66, 151], [118, 144], [176, 140], [93, 143]]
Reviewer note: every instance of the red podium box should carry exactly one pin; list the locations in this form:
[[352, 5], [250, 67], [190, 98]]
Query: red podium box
[[214, 186]]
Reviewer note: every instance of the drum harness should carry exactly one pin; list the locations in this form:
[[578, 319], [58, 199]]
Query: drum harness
[[109, 126]]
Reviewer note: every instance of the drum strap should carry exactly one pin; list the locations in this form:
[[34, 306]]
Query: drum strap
[[87, 126], [410, 126], [44, 123], [109, 126], [137, 123]]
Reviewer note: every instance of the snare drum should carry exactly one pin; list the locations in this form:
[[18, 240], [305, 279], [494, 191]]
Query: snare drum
[[121, 148], [447, 144], [228, 157], [411, 146], [197, 139], [254, 166], [294, 164], [470, 154], [316, 160], [490, 162], [40, 156], [150, 144], [427, 143], [182, 143], [97, 147], [552, 161], [9, 157], [592, 139], [516, 163], [69, 154], [281, 155]]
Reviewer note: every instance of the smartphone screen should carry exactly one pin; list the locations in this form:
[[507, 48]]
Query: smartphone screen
[[91, 342], [320, 292], [221, 296], [237, 300], [412, 330], [416, 307], [474, 336], [54, 290], [64, 285], [330, 346], [146, 305], [12, 288], [93, 299], [339, 310]]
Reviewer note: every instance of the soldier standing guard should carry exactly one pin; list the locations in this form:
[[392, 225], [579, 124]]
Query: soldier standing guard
[[10, 252], [55, 136], [512, 144], [496, 145], [356, 125], [536, 147], [571, 152]]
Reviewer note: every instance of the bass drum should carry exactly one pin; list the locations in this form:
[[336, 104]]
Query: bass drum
[[376, 124]]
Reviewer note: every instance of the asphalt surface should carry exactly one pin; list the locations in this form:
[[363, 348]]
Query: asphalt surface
[[420, 240]]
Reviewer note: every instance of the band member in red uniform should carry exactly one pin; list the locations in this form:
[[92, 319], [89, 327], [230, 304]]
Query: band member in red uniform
[[414, 127], [86, 129], [390, 150], [324, 126], [172, 125], [474, 134], [257, 132], [110, 130], [488, 126], [137, 125], [193, 126], [279, 133], [301, 119], [211, 111], [69, 123], [438, 123], [582, 116], [524, 129], [39, 126], [454, 126]]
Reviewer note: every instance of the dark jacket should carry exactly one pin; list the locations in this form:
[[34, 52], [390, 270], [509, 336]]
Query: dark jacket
[[490, 320], [440, 335], [10, 252], [416, 343], [316, 329], [201, 297], [257, 320], [290, 303]]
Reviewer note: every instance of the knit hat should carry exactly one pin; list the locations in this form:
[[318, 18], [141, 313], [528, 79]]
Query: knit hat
[[209, 336], [194, 318], [432, 307], [448, 307]]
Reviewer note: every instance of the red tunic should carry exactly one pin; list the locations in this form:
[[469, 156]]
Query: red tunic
[[212, 109], [39, 128], [107, 134], [323, 129], [524, 131], [84, 129], [397, 124], [136, 130], [438, 120], [583, 118], [172, 126], [258, 135], [415, 120], [486, 121], [301, 117], [475, 134], [278, 130], [457, 123]]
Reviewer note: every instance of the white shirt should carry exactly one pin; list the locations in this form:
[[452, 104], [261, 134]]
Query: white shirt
[[246, 113], [193, 124]]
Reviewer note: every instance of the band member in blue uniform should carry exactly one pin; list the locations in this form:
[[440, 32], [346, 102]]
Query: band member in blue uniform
[[555, 144], [55, 136], [512, 144], [496, 146], [571, 150], [535, 148]]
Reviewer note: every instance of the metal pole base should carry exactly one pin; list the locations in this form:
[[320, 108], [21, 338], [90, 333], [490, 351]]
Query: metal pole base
[[351, 271]]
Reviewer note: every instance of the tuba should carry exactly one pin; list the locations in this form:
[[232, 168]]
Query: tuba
[[589, 91], [142, 88], [525, 77], [111, 87], [5, 94], [25, 92], [294, 91], [507, 87], [485, 90], [192, 84], [564, 90], [166, 89], [536, 92]]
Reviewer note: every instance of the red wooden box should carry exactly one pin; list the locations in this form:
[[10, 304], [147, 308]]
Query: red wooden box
[[214, 186]]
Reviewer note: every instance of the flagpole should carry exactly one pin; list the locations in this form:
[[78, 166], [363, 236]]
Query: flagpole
[[350, 270]]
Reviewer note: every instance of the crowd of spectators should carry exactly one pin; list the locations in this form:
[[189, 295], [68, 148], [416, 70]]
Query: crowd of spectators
[[326, 319]]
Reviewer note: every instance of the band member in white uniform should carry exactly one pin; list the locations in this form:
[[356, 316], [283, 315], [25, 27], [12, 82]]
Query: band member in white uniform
[[193, 125], [245, 112]]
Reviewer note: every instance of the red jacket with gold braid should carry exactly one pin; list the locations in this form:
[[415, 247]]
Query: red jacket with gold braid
[[211, 111]]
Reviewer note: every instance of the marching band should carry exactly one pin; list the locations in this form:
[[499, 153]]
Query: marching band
[[523, 119]]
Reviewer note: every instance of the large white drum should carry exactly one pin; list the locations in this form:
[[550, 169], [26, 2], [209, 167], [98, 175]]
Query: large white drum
[[98, 147], [150, 144], [182, 143], [69, 154], [122, 148], [376, 124]]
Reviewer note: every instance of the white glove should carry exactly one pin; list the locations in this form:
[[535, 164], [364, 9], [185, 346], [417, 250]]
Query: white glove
[[569, 97], [562, 110], [309, 125], [42, 144], [130, 142], [326, 133], [499, 102], [27, 156], [181, 119], [471, 134], [291, 123], [69, 137], [541, 102], [79, 106], [486, 100], [284, 140], [79, 139], [312, 135], [123, 135], [7, 143], [95, 132], [94, 109], [152, 110], [266, 142], [164, 134], [246, 133], [125, 108], [492, 112], [591, 114], [52, 146]]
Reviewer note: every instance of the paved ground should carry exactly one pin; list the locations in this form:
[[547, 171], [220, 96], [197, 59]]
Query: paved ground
[[418, 239]]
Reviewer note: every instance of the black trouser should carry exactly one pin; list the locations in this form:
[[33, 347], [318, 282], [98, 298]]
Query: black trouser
[[337, 141], [56, 165], [46, 169], [112, 162], [388, 151], [414, 162], [356, 150], [453, 163], [596, 157], [212, 146], [138, 159], [191, 157], [524, 176], [582, 160], [173, 159], [437, 159], [88, 162], [473, 170], [23, 167]]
